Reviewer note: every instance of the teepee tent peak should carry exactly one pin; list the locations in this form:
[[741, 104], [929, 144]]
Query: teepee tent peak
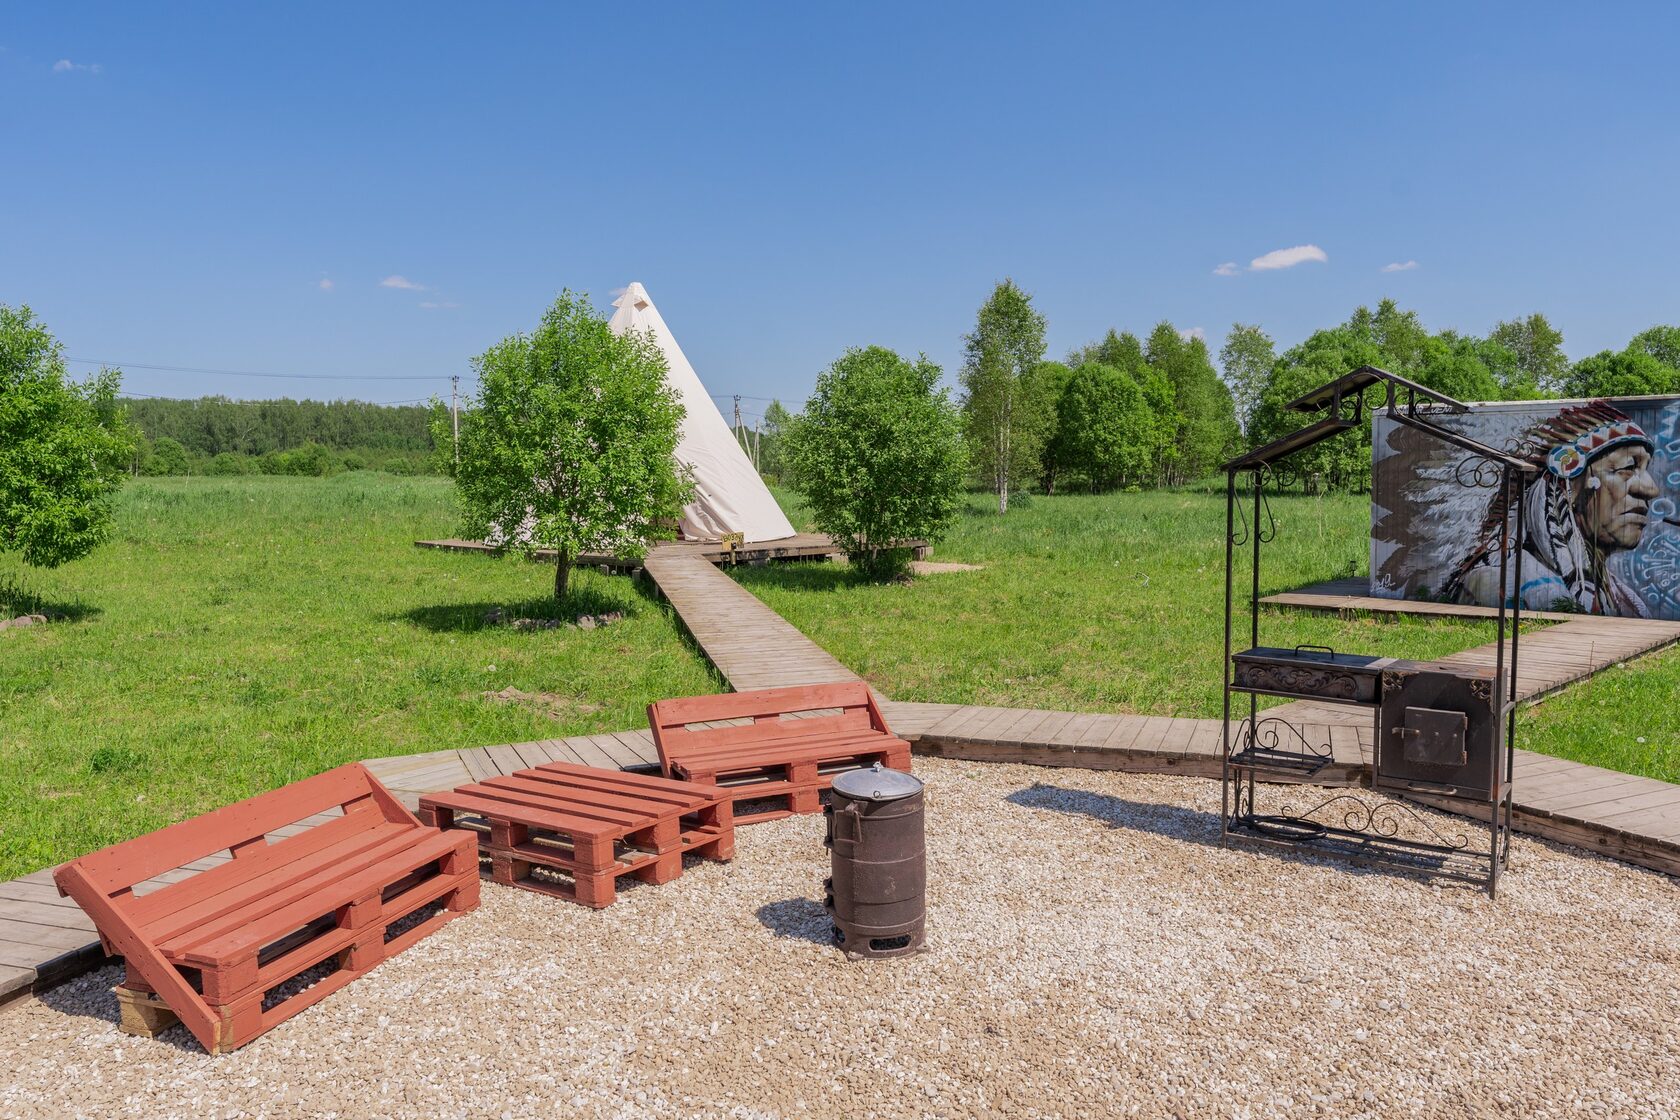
[[730, 497]]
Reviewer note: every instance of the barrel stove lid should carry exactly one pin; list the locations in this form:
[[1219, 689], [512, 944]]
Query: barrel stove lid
[[877, 783]]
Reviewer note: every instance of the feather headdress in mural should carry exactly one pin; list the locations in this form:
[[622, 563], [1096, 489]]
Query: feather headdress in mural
[[1562, 563]]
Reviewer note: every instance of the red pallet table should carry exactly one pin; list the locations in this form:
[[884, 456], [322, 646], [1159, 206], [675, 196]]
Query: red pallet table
[[776, 749], [571, 831], [218, 950]]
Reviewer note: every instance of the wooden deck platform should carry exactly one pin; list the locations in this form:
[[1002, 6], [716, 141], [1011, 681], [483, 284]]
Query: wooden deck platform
[[1353, 596], [800, 546], [45, 939]]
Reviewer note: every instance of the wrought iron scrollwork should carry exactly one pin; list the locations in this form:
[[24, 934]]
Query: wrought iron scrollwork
[[1478, 472], [1385, 819], [1269, 525], [1279, 742]]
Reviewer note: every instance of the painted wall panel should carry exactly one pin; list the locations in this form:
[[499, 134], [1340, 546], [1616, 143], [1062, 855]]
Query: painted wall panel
[[1602, 517]]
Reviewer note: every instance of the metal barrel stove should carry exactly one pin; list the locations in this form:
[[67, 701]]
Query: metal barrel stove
[[877, 892]]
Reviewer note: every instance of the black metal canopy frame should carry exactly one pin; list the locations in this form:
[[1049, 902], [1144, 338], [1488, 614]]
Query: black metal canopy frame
[[1438, 730]]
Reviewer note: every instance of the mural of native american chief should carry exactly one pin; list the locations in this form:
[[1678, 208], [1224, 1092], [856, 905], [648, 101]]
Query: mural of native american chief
[[1600, 511], [1591, 500]]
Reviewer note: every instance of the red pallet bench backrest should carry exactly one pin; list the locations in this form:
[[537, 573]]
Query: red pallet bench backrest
[[774, 713], [242, 830]]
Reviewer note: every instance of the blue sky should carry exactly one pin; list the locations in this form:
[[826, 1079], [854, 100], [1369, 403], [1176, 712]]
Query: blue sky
[[228, 187]]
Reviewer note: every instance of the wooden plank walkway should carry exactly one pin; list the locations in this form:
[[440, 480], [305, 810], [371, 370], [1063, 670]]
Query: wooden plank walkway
[[750, 644], [45, 939]]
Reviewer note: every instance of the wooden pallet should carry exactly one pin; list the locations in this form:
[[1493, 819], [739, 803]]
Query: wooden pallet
[[774, 750], [239, 948], [571, 831]]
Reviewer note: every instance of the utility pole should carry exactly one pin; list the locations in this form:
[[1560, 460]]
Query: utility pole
[[755, 445], [455, 413], [738, 419]]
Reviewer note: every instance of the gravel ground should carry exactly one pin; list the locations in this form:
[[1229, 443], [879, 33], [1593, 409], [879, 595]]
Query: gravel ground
[[1093, 952]]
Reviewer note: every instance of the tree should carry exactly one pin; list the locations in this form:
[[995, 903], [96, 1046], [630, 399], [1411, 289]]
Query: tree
[[879, 456], [1452, 364], [168, 457], [1536, 347], [64, 447], [1205, 420], [1661, 343], [1050, 381], [1005, 424], [1246, 358], [1324, 356], [1105, 426], [772, 452], [1628, 373], [1399, 336], [1121, 350], [569, 443]]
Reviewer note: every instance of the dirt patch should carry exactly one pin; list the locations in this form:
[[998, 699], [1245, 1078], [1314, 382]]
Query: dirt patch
[[934, 567], [551, 704], [498, 617]]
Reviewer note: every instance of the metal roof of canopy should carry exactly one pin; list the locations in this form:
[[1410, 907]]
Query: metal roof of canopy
[[1329, 398]]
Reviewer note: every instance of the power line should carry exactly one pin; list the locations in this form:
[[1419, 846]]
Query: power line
[[248, 373]]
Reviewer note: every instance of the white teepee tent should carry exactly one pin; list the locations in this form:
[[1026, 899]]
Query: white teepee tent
[[730, 497]]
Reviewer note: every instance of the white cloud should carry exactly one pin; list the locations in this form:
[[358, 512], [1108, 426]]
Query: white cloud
[[402, 282], [437, 305], [1229, 268], [325, 284], [65, 66], [1399, 266], [1193, 332], [1288, 258]]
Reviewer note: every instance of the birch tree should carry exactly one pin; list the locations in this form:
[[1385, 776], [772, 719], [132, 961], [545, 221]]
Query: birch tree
[[1005, 420]]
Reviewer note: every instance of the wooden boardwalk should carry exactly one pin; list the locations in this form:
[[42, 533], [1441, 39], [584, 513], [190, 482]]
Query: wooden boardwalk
[[750, 644], [45, 939], [1353, 596]]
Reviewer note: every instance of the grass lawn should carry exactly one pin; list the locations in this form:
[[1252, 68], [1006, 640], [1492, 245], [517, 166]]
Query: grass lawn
[[1113, 603], [237, 634], [1108, 603]]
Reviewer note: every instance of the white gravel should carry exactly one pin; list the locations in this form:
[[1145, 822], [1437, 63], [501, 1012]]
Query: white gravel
[[1093, 952]]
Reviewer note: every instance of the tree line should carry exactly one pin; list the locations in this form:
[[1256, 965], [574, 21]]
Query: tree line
[[1130, 412], [1519, 359], [1118, 412], [216, 435]]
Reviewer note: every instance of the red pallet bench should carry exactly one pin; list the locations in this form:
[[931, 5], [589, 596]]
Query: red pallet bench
[[571, 831], [230, 951], [779, 763]]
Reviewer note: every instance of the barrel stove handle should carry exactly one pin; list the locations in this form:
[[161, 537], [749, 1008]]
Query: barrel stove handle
[[850, 814]]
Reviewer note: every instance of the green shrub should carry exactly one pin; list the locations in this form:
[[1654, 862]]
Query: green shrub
[[167, 457], [879, 457], [227, 463]]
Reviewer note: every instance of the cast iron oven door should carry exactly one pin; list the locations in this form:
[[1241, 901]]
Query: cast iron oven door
[[1439, 733], [1431, 737]]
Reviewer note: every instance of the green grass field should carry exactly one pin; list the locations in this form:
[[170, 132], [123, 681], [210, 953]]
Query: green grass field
[[1111, 603], [237, 634], [240, 633]]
